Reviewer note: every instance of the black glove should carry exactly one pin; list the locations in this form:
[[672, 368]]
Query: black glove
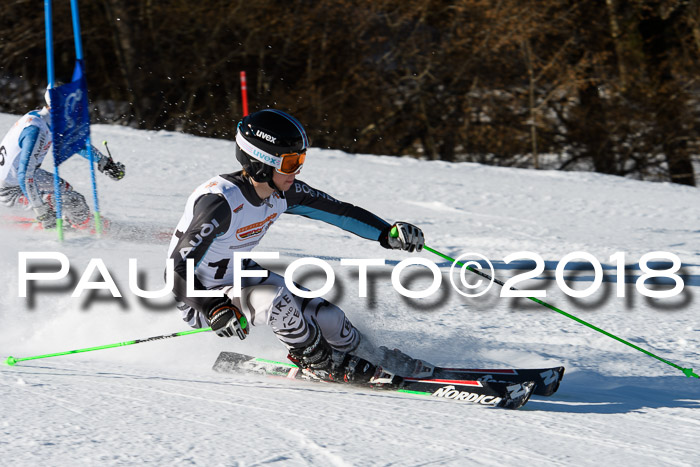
[[114, 170], [402, 236], [226, 319], [46, 215]]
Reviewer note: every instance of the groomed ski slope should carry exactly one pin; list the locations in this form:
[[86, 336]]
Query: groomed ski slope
[[160, 403]]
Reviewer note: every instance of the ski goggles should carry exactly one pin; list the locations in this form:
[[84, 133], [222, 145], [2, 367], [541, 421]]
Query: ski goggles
[[286, 164], [291, 163]]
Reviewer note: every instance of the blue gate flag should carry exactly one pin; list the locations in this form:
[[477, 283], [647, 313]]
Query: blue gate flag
[[70, 118]]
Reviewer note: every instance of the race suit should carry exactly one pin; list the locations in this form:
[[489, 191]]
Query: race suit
[[225, 215], [23, 182]]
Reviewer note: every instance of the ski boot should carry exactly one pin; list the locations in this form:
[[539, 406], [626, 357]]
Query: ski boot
[[315, 360], [319, 361], [356, 370], [405, 365], [352, 369], [394, 361]]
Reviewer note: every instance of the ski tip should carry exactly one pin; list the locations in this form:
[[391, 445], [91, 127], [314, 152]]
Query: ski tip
[[518, 395], [555, 386], [689, 373], [11, 361]]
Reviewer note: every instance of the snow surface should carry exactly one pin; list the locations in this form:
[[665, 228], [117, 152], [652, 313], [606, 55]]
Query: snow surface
[[160, 402]]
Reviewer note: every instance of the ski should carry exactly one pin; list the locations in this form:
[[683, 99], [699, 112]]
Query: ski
[[117, 230], [546, 380], [20, 222], [510, 395], [30, 223]]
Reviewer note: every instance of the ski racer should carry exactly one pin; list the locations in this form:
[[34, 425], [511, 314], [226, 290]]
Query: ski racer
[[23, 183], [232, 212]]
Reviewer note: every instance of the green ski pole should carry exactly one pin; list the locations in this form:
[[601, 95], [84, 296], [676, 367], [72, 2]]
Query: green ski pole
[[686, 371], [12, 360]]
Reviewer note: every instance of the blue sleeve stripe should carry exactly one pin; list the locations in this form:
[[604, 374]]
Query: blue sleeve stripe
[[96, 154], [346, 223], [27, 141]]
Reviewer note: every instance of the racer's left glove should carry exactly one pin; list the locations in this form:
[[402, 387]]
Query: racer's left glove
[[402, 236], [114, 170]]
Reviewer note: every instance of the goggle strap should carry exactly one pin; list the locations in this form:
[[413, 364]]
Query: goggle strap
[[259, 154]]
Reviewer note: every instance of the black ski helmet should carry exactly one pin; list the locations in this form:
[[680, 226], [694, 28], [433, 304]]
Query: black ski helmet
[[266, 133]]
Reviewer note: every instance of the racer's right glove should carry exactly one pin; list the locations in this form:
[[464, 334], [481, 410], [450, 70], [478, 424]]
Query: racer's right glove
[[226, 319]]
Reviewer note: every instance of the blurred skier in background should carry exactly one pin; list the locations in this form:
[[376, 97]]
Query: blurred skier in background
[[24, 184], [232, 212]]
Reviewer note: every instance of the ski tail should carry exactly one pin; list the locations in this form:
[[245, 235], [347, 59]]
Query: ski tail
[[232, 362]]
